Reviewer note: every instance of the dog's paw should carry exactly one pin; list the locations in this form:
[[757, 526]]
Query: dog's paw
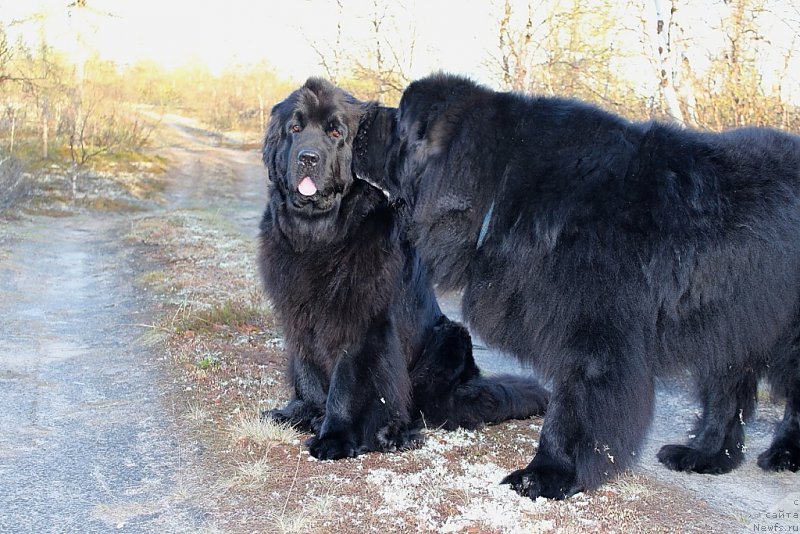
[[780, 457], [394, 437], [689, 459], [276, 414], [542, 482], [296, 414], [331, 448]]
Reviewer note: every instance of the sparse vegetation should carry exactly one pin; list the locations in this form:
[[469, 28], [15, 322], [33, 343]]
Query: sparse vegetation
[[252, 429], [229, 314], [14, 183]]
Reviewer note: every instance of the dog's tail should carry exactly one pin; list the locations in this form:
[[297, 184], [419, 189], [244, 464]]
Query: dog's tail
[[451, 392]]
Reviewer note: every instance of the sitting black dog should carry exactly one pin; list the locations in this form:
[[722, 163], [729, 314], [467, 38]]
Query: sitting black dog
[[371, 356]]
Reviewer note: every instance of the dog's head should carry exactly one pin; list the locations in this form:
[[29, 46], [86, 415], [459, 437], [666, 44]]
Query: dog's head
[[400, 142], [308, 149]]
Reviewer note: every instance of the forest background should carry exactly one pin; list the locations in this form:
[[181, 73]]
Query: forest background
[[82, 83]]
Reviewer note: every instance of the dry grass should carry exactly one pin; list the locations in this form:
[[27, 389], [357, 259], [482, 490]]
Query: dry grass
[[232, 313], [197, 413], [633, 486], [16, 186], [310, 517], [252, 475], [251, 428]]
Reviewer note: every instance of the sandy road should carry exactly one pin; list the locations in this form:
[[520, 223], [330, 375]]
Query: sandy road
[[87, 438]]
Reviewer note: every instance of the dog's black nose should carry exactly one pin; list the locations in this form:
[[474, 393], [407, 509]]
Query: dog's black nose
[[308, 156]]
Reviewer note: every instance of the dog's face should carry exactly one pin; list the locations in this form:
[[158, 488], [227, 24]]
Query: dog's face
[[308, 147]]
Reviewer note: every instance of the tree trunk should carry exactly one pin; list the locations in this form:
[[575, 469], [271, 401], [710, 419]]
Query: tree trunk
[[666, 70], [13, 130], [45, 130], [261, 116]]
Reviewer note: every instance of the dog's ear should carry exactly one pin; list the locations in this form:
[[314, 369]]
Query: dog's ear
[[375, 144], [273, 138]]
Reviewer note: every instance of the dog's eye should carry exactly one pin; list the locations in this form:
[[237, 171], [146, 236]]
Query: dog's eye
[[295, 128], [334, 132]]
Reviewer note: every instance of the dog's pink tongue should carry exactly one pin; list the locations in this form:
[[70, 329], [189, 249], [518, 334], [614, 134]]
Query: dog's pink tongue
[[307, 187]]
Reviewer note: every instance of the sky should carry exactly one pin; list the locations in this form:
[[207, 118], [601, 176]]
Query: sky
[[458, 36], [222, 33]]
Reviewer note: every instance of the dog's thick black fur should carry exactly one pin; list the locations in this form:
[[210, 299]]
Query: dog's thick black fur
[[371, 355], [607, 253]]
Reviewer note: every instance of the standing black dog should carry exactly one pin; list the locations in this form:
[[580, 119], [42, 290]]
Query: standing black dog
[[370, 351], [607, 253]]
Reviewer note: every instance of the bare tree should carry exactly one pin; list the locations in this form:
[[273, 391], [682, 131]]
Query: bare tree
[[518, 48], [666, 59], [379, 68], [332, 62], [568, 48], [733, 92], [5, 56]]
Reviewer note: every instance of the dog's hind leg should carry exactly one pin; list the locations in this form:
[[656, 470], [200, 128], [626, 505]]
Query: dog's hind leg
[[443, 364], [784, 452], [718, 442], [784, 375], [450, 391]]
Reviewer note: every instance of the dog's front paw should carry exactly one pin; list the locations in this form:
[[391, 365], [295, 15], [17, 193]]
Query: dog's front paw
[[394, 437], [331, 447], [542, 482], [298, 414]]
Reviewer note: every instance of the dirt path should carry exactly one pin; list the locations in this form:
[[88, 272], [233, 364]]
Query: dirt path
[[211, 171], [88, 442], [90, 438]]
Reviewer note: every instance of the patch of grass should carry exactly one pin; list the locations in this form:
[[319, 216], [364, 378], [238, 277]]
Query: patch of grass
[[307, 519], [209, 361], [232, 313], [254, 473], [197, 413], [632, 486], [295, 523], [251, 428], [155, 279], [130, 161], [149, 231]]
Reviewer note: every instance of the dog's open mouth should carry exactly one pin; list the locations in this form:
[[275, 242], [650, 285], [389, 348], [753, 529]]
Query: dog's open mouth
[[308, 197]]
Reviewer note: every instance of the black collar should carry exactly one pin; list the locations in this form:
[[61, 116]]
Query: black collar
[[362, 136]]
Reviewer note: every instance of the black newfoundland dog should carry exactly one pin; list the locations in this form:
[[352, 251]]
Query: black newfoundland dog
[[607, 253], [371, 357]]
